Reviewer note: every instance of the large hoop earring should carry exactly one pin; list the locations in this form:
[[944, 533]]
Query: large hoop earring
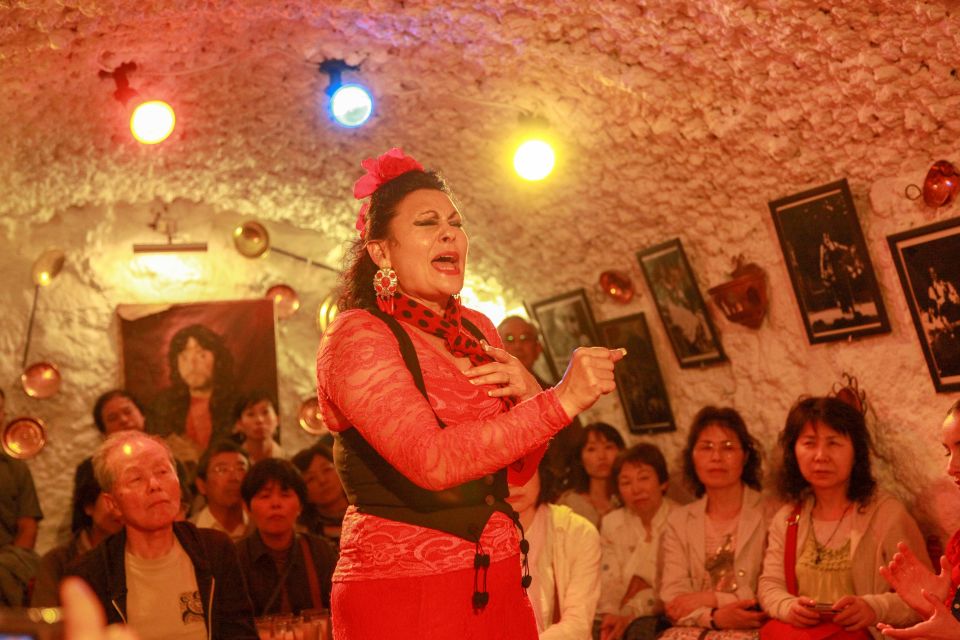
[[385, 284]]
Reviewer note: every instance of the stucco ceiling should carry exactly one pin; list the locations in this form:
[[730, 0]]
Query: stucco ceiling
[[673, 117]]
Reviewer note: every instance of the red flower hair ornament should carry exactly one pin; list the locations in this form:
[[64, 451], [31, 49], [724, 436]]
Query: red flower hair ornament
[[381, 170]]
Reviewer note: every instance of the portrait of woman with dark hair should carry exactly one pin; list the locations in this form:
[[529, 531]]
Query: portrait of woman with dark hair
[[198, 405]]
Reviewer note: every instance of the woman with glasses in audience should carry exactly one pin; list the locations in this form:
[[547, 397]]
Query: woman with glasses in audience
[[630, 541], [589, 491], [712, 549], [820, 574]]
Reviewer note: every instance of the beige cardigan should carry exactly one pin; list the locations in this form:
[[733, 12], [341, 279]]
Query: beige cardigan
[[875, 532], [683, 555]]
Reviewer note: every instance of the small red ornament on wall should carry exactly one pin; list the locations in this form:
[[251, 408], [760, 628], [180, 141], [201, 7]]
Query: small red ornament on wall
[[743, 299]]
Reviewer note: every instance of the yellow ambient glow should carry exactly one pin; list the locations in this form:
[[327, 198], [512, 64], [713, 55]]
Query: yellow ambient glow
[[534, 160]]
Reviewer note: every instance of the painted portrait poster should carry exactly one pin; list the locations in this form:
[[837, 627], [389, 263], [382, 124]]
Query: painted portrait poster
[[189, 364]]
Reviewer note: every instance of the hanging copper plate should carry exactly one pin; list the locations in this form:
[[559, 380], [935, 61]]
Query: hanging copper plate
[[47, 267], [41, 380], [285, 299], [251, 239], [310, 419], [941, 184], [23, 438], [617, 285]]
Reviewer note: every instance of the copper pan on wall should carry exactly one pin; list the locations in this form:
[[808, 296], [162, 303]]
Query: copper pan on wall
[[310, 419], [23, 437], [41, 380]]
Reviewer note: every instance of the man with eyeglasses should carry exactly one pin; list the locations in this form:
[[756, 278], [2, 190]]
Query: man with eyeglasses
[[520, 339], [166, 579], [220, 473]]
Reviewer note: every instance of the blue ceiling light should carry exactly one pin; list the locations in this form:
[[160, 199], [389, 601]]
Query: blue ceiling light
[[350, 105]]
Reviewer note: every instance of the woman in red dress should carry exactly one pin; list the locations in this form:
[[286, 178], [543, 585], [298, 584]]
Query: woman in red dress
[[432, 420]]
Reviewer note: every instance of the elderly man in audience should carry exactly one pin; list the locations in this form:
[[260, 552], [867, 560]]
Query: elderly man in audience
[[166, 579], [219, 475], [19, 514], [521, 341]]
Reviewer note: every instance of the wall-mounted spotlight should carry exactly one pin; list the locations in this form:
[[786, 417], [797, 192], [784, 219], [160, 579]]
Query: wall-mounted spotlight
[[350, 104], [151, 121]]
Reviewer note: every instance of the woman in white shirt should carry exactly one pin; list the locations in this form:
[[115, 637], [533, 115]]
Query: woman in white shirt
[[564, 559], [712, 549], [630, 540]]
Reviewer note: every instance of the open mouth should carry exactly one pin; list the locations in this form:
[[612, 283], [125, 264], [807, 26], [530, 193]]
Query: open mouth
[[447, 263]]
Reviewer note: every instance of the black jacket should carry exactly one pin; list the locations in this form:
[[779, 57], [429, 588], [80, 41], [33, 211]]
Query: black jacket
[[227, 611]]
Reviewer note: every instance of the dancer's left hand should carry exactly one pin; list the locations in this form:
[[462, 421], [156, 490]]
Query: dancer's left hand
[[507, 372]]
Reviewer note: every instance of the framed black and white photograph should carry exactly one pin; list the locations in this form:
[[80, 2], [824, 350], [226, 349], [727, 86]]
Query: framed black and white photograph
[[639, 382], [565, 324], [829, 266], [929, 271], [692, 335]]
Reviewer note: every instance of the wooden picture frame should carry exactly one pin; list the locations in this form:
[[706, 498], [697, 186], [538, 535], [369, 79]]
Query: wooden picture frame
[[566, 323], [640, 384], [830, 270], [680, 305], [926, 261]]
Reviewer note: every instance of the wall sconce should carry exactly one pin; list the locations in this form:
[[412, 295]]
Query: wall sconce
[[252, 240], [743, 299], [350, 104]]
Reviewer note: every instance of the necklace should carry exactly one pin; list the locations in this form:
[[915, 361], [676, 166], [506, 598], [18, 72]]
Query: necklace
[[823, 547]]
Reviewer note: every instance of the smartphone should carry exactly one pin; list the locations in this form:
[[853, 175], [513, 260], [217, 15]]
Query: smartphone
[[30, 624], [826, 611]]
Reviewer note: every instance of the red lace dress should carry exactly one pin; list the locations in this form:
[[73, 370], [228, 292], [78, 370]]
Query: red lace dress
[[363, 381]]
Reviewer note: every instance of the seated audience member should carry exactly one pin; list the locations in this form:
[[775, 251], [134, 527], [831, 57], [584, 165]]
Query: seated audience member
[[94, 519], [564, 559], [630, 540], [166, 579], [940, 605], [326, 501], [115, 410], [712, 549], [220, 473], [520, 339], [820, 576], [588, 488], [19, 514], [286, 571], [256, 426]]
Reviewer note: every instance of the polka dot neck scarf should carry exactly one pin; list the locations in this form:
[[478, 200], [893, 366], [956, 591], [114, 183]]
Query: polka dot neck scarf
[[458, 340]]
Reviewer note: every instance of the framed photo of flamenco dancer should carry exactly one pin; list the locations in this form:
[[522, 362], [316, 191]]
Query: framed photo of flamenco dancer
[[692, 335], [565, 324], [829, 266], [930, 274], [639, 382]]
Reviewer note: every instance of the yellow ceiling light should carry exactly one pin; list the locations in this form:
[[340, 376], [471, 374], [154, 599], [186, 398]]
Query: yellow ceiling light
[[152, 122], [534, 159]]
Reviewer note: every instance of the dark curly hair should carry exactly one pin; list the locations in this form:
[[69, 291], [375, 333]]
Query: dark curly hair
[[356, 288], [577, 478], [726, 418], [842, 418]]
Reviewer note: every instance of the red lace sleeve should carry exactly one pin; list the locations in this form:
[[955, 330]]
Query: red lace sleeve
[[520, 471], [362, 381]]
